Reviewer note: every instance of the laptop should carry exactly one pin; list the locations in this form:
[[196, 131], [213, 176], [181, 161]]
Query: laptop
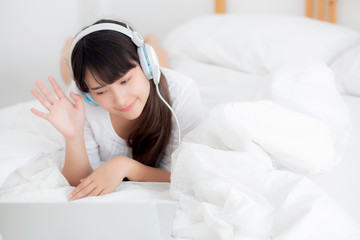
[[90, 221]]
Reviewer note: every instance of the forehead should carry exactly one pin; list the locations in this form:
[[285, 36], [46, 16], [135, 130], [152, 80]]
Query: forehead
[[92, 80]]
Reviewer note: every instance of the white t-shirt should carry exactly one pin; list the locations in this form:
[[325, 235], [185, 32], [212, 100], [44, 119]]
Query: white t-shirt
[[103, 144]]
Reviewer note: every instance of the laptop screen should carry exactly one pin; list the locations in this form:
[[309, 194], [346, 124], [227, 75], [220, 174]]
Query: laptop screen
[[86, 221]]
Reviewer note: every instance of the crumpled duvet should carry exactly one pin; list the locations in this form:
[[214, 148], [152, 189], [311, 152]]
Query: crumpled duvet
[[240, 174], [230, 183]]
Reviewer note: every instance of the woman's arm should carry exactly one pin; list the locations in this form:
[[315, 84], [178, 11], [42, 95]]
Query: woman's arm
[[109, 175], [76, 164], [68, 118], [142, 173]]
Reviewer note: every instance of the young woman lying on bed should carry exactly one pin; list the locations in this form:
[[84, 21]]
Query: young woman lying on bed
[[127, 131]]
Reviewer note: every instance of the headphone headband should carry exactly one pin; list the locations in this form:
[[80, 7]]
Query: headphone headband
[[134, 36]]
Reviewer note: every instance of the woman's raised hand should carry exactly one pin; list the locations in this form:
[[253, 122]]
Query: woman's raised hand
[[68, 118]]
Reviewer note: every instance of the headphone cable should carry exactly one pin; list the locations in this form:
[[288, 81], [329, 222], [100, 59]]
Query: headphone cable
[[172, 111]]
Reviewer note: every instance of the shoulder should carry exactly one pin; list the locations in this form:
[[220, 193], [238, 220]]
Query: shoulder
[[185, 99], [180, 86], [177, 81]]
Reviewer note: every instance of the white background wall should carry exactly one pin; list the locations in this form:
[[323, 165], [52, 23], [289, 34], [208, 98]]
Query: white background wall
[[33, 31]]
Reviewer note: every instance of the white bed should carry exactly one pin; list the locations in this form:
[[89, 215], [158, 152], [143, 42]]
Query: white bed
[[270, 82], [221, 82]]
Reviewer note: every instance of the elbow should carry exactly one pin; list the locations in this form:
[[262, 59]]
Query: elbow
[[72, 182]]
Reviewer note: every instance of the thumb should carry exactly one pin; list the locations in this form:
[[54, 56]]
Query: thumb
[[77, 99]]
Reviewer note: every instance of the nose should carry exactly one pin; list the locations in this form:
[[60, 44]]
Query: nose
[[119, 97]]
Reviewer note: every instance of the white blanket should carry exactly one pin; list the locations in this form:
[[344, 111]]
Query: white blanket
[[223, 174], [232, 177], [225, 182]]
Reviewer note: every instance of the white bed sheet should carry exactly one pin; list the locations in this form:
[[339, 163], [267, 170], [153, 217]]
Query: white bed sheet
[[219, 85]]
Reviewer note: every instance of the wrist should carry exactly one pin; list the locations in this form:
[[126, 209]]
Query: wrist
[[136, 171], [75, 136], [130, 167]]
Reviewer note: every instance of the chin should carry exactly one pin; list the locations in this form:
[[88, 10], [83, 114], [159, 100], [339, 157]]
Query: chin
[[129, 115], [133, 117]]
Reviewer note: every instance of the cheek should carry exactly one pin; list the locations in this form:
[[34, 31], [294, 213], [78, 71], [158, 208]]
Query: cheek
[[103, 102], [146, 90], [141, 89]]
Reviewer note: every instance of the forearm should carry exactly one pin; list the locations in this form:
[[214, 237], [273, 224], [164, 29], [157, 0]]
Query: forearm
[[142, 173], [76, 164]]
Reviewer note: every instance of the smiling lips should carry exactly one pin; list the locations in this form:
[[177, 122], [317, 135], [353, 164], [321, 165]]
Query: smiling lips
[[129, 107]]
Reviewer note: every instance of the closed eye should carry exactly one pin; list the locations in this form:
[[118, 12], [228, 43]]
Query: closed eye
[[99, 93], [125, 81], [122, 82]]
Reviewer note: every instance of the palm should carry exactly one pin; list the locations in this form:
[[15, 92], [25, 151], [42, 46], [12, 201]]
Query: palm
[[65, 117], [68, 118]]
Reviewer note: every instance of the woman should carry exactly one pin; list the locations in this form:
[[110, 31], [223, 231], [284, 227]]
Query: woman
[[127, 132]]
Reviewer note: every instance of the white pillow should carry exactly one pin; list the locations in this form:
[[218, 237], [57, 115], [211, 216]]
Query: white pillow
[[257, 44], [347, 71]]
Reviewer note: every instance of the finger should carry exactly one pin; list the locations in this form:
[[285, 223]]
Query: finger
[[79, 190], [39, 114], [84, 191], [101, 193], [78, 101], [76, 190], [46, 92], [105, 191], [41, 99], [95, 192], [59, 92]]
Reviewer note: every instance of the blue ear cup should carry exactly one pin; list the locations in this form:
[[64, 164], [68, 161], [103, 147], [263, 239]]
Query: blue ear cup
[[90, 98], [149, 62]]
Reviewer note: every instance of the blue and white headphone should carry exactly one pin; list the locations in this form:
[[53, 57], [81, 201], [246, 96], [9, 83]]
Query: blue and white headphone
[[147, 56]]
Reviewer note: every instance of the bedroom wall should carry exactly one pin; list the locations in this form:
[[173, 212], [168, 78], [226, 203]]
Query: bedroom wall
[[349, 13], [34, 31], [348, 10]]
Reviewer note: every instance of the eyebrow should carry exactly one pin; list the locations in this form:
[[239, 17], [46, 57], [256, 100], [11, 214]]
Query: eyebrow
[[99, 87], [96, 88]]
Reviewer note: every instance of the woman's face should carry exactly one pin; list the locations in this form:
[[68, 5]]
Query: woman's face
[[126, 97]]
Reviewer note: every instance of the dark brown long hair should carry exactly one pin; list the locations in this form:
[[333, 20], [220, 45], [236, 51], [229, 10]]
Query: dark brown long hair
[[109, 55]]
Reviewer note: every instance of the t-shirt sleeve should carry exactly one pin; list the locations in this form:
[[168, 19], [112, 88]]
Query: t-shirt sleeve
[[190, 111]]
